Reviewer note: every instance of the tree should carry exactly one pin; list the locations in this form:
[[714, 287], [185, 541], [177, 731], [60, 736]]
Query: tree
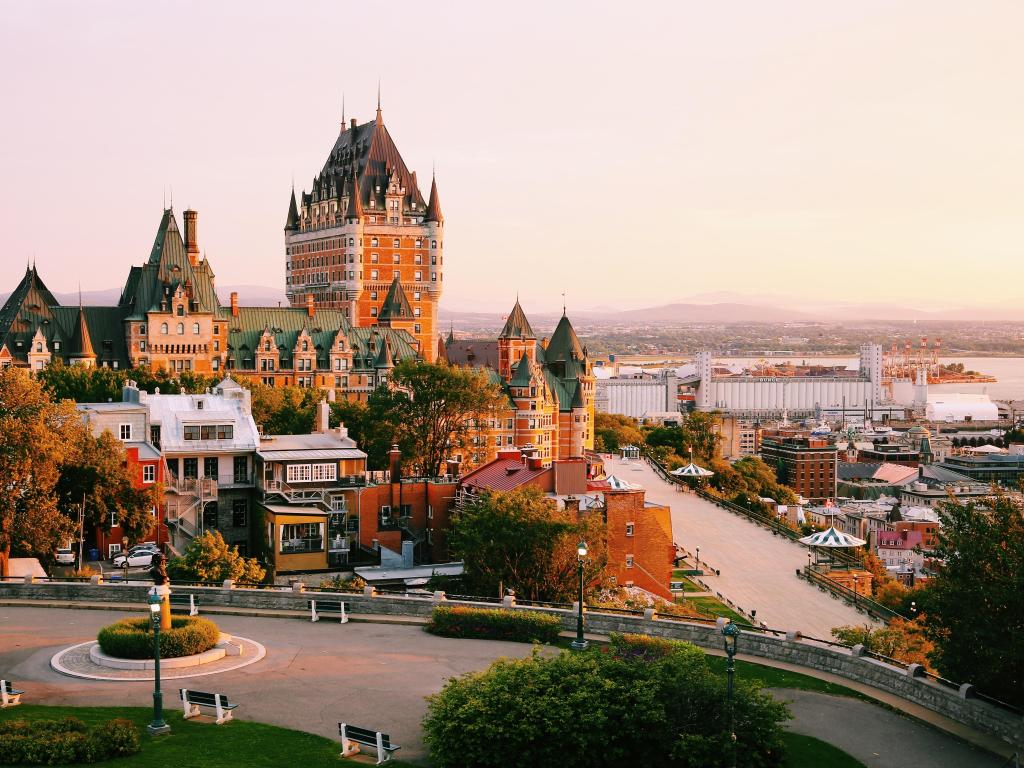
[[34, 437], [209, 558], [612, 431], [697, 432], [521, 540], [434, 410], [96, 472], [901, 640], [98, 385], [975, 603]]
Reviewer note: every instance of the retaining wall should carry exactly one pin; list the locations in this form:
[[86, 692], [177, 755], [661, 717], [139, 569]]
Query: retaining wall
[[847, 663]]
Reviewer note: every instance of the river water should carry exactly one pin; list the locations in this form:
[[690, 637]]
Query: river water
[[1008, 370]]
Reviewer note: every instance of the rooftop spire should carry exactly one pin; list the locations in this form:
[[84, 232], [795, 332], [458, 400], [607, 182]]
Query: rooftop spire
[[379, 119], [293, 213], [342, 115], [434, 204], [517, 326]]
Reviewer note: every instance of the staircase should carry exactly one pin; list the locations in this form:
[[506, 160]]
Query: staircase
[[185, 499]]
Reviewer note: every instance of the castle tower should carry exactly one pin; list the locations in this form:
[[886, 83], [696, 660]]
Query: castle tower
[[515, 340], [363, 225]]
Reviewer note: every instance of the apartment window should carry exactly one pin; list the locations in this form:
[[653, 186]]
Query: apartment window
[[417, 328], [241, 469], [216, 345], [325, 472], [239, 513], [210, 467], [298, 473], [181, 310], [418, 259], [374, 274], [416, 312], [629, 529], [125, 431], [302, 537], [195, 328], [373, 295], [163, 328], [418, 276], [396, 243], [142, 346], [181, 329], [629, 561], [148, 473], [373, 311], [374, 242], [191, 468], [433, 243], [210, 515]]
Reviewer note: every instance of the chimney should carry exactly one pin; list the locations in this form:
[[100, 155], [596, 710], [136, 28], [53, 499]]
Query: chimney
[[395, 463], [572, 504], [310, 307], [321, 422], [452, 468], [535, 462], [130, 392], [353, 123], [191, 237], [234, 303]]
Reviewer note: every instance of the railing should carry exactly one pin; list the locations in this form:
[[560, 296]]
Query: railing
[[870, 606], [193, 486]]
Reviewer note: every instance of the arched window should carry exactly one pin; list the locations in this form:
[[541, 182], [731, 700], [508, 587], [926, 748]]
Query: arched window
[[195, 328], [163, 328], [433, 243], [181, 329]]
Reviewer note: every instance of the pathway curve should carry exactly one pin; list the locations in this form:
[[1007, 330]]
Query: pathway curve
[[758, 567], [378, 674]]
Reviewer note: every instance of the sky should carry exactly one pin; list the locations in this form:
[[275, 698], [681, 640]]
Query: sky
[[629, 154]]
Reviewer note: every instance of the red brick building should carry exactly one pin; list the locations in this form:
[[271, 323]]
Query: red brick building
[[804, 462]]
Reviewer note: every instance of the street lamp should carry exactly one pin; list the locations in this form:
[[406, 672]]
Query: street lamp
[[698, 557], [579, 644], [158, 726], [855, 580], [808, 561], [730, 633], [913, 610]]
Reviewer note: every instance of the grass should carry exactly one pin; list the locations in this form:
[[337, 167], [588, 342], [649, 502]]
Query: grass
[[688, 585], [772, 677], [715, 607], [255, 745], [807, 751]]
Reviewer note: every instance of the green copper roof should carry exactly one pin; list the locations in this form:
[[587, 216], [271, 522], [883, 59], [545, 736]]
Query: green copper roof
[[522, 375], [293, 214], [564, 344], [517, 326], [396, 304]]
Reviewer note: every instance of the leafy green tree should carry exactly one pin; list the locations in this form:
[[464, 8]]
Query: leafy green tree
[[976, 600], [521, 540], [209, 558], [612, 431], [641, 702], [96, 472], [284, 410], [900, 639], [97, 385], [434, 410], [697, 432]]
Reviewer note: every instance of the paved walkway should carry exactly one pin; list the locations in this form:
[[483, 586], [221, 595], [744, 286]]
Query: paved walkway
[[758, 568], [378, 675]]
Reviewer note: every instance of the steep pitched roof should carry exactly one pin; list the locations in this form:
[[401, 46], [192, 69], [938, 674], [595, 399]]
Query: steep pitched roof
[[81, 343], [384, 359], [355, 207], [434, 206], [293, 214], [564, 344], [168, 267], [474, 352], [103, 332], [517, 326], [522, 376], [396, 304], [28, 308]]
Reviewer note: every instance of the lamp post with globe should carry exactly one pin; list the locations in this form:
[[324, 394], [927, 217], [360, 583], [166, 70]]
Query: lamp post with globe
[[730, 633], [158, 726], [580, 644]]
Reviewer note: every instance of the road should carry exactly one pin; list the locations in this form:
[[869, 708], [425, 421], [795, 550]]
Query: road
[[758, 568], [377, 675]]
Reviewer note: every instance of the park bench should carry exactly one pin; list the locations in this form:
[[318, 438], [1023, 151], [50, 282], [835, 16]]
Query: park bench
[[185, 603], [9, 695], [316, 607], [352, 735], [195, 701]]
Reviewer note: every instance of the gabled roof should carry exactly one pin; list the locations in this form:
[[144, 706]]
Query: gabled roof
[[502, 475], [396, 304], [104, 331], [28, 308], [517, 326], [474, 352]]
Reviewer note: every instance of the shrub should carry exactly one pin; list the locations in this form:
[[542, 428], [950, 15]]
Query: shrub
[[494, 624], [133, 638], [65, 741], [603, 708]]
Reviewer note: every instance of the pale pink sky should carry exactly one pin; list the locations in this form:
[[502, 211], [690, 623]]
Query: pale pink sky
[[636, 153]]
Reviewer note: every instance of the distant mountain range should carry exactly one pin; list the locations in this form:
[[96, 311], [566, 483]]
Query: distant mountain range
[[718, 307]]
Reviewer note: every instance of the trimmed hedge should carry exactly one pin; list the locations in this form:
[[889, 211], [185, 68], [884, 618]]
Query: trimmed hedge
[[68, 740], [494, 624], [133, 638]]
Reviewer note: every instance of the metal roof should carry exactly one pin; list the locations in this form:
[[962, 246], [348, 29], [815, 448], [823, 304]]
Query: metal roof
[[314, 453]]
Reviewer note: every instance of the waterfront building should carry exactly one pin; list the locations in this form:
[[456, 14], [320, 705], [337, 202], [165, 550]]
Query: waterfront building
[[364, 225], [638, 395]]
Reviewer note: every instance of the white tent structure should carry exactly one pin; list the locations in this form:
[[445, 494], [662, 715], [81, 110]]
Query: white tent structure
[[832, 539], [692, 470], [618, 484]]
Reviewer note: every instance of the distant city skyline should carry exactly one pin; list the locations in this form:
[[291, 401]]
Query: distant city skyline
[[634, 156]]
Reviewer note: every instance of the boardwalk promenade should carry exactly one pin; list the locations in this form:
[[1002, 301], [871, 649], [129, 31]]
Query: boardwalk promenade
[[757, 568]]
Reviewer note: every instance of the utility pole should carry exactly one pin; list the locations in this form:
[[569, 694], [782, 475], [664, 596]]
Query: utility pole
[[81, 529]]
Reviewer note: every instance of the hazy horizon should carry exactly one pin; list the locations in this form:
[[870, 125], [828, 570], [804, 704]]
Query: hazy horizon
[[632, 156]]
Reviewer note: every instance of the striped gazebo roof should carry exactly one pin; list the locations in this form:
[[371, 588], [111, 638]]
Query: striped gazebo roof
[[833, 539], [692, 470]]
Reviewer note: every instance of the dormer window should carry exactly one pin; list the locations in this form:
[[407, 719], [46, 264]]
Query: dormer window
[[181, 310], [266, 346]]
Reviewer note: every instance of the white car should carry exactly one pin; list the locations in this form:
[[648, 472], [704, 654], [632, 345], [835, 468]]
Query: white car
[[134, 558], [65, 556]]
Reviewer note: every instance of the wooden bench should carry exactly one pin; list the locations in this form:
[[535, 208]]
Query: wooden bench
[[195, 701], [353, 735], [9, 695], [316, 607], [185, 603]]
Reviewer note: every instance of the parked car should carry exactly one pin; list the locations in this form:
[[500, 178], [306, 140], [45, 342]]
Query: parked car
[[65, 556], [134, 558]]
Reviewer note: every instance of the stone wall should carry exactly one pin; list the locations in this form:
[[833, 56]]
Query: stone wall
[[851, 664]]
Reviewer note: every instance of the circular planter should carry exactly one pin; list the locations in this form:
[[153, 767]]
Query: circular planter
[[225, 647]]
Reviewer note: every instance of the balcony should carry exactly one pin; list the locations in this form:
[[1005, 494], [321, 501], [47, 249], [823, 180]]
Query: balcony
[[203, 487]]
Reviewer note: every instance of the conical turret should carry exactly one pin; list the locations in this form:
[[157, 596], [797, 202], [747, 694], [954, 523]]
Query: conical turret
[[517, 326], [434, 204], [293, 214]]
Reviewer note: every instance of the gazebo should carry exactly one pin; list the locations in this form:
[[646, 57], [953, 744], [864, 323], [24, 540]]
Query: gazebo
[[831, 539], [692, 474]]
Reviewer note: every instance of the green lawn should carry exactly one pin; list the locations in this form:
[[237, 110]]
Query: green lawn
[[715, 607], [771, 677], [243, 743], [807, 751], [688, 585]]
